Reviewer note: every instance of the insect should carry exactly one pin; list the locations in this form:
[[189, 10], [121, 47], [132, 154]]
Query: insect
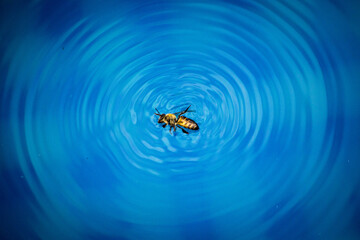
[[180, 121]]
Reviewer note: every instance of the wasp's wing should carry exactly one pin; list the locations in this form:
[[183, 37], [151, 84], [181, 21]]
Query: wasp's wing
[[187, 111]]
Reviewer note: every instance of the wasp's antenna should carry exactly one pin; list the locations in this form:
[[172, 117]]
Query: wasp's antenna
[[158, 112]]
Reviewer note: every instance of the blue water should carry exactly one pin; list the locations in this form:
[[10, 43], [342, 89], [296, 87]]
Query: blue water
[[274, 88]]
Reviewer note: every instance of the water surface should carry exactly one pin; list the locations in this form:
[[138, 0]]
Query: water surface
[[274, 88]]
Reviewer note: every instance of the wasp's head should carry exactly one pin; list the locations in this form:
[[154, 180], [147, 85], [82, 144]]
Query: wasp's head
[[162, 116]]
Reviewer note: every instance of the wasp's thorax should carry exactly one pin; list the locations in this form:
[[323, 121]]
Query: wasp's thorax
[[168, 119]]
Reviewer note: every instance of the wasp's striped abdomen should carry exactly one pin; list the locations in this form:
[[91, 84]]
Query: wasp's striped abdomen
[[187, 123]]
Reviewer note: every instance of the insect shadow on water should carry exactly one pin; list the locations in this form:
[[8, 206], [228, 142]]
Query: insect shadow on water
[[179, 121]]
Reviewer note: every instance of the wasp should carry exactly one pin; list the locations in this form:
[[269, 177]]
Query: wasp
[[180, 121]]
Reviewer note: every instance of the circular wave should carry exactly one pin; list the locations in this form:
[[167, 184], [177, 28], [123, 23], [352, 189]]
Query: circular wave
[[265, 84]]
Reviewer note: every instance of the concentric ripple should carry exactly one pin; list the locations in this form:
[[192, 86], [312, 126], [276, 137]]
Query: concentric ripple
[[271, 86]]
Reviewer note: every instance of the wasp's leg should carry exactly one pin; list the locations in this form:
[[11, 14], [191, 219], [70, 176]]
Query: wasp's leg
[[183, 130], [170, 129], [164, 125], [174, 128]]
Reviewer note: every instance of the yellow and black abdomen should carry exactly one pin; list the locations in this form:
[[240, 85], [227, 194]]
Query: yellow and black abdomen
[[187, 123]]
